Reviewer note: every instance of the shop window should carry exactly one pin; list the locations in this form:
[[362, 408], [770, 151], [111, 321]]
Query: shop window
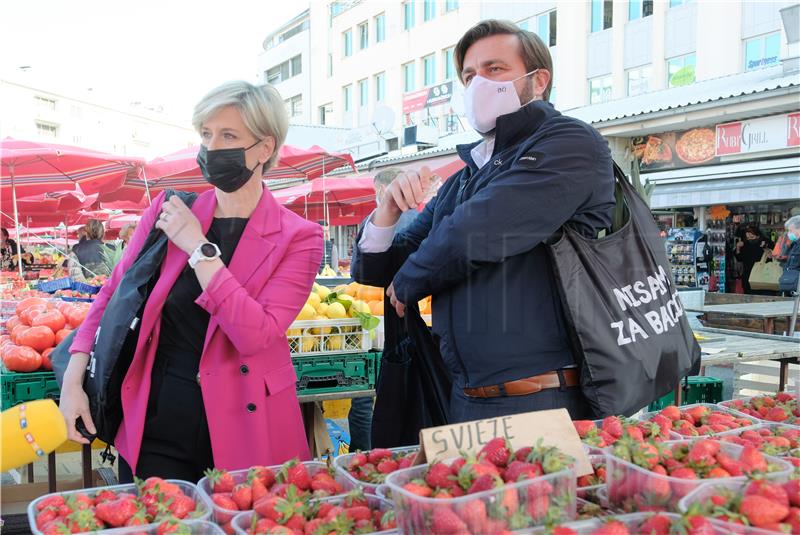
[[600, 89], [638, 80], [763, 51], [638, 9], [681, 71], [602, 14]]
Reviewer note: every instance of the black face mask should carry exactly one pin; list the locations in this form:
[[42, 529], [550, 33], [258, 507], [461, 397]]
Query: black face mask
[[225, 169]]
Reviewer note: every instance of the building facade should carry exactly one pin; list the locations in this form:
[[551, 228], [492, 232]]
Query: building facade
[[35, 113]]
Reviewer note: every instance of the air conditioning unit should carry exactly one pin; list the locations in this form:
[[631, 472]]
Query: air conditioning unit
[[392, 143], [421, 135]]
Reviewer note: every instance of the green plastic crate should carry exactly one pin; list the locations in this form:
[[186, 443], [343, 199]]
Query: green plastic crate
[[701, 390], [326, 374], [21, 387]]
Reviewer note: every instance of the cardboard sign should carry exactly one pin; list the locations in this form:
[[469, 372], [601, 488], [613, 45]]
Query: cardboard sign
[[554, 427]]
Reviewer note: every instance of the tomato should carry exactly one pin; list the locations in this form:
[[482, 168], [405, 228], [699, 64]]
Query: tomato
[[31, 312], [18, 330], [60, 335], [12, 322], [39, 338], [22, 359], [29, 302], [77, 316], [50, 318], [47, 364]]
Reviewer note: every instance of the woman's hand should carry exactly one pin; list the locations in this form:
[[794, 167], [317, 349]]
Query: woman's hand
[[180, 225], [74, 403]]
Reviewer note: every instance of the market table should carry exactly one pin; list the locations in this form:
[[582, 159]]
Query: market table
[[766, 312]]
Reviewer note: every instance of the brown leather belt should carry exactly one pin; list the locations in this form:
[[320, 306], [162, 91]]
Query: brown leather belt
[[529, 385]]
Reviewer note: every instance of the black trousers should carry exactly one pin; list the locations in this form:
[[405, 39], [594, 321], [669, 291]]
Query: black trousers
[[176, 443]]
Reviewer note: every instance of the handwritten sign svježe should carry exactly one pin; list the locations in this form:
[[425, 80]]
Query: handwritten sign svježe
[[553, 427]]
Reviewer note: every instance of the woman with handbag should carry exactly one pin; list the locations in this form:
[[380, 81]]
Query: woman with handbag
[[211, 382], [749, 252]]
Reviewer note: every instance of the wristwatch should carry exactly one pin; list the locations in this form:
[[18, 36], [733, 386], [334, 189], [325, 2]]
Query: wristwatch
[[204, 252]]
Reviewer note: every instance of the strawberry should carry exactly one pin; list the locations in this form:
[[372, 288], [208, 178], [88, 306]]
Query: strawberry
[[483, 483], [116, 513], [717, 472], [752, 460], [613, 527], [45, 516], [446, 522], [792, 488], [699, 525], [613, 426], [635, 433], [519, 470], [563, 530], [324, 484], [761, 511], [474, 515], [375, 456], [387, 466], [242, 495], [181, 506], [359, 459], [702, 453], [656, 525], [729, 464], [697, 413], [223, 500], [439, 476], [258, 489], [671, 412], [583, 427], [777, 414], [496, 451], [264, 474], [221, 481], [358, 513], [772, 491], [105, 496], [296, 473], [55, 500], [538, 505], [418, 487], [684, 473]]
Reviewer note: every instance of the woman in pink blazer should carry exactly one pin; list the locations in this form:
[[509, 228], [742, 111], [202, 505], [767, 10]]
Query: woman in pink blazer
[[212, 382]]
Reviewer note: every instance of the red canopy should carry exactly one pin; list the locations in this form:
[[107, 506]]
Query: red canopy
[[348, 200]]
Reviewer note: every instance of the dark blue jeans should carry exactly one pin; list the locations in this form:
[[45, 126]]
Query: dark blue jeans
[[360, 422]]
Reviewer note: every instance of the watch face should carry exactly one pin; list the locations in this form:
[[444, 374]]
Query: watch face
[[208, 250]]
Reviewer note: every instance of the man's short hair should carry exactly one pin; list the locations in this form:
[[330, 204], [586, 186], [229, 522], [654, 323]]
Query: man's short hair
[[534, 52], [793, 222], [384, 177]]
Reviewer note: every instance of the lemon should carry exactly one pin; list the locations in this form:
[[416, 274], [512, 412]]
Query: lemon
[[322, 309], [340, 289], [314, 300], [307, 313], [323, 291], [294, 332], [359, 306], [346, 300], [308, 344], [335, 343], [320, 330], [336, 311]]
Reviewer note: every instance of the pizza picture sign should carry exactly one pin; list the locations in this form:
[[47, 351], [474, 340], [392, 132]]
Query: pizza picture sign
[[675, 149]]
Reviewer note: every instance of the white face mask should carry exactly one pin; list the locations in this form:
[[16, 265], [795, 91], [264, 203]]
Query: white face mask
[[486, 100]]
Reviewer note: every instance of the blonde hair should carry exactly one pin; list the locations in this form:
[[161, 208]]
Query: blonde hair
[[261, 107], [95, 230]]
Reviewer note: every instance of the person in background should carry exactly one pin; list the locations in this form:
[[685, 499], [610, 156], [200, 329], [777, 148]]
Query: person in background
[[126, 233], [791, 267], [334, 256], [91, 254], [211, 382], [10, 252], [749, 252], [81, 232]]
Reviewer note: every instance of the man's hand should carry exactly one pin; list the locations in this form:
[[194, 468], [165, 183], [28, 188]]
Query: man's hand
[[405, 192], [398, 306]]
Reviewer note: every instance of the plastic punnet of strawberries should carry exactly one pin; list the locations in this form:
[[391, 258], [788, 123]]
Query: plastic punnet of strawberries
[[509, 490], [612, 428], [772, 439], [373, 466], [781, 407], [658, 524], [762, 504], [699, 420], [261, 482], [158, 501], [353, 514], [664, 473]]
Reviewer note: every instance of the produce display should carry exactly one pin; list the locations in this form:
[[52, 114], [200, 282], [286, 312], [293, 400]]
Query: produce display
[[642, 524], [772, 439], [37, 326], [651, 477], [372, 467], [606, 432], [698, 420], [781, 407], [499, 489], [153, 501], [588, 485]]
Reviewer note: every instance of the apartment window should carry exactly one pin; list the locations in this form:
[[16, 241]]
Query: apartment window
[[546, 27], [46, 130], [363, 93], [450, 5], [639, 8], [602, 14], [408, 77], [449, 64], [325, 112], [285, 70], [45, 103], [408, 14], [429, 70], [293, 31], [429, 11], [380, 87], [600, 89], [347, 97], [675, 3], [762, 51], [294, 106], [638, 80], [347, 43], [380, 28], [363, 36], [330, 65], [297, 65], [681, 71]]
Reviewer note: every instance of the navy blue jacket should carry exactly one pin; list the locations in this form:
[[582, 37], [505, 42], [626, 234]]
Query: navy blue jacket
[[477, 246]]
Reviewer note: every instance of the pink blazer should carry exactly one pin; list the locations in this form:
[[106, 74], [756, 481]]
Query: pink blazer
[[245, 360]]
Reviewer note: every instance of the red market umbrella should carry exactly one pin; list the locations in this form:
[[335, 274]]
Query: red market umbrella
[[309, 163], [339, 201]]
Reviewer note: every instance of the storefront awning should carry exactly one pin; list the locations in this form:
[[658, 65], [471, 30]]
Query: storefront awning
[[746, 182]]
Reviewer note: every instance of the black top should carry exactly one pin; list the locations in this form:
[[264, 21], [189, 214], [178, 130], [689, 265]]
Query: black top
[[183, 322]]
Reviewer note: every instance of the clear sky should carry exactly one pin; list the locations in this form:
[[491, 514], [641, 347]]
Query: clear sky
[[167, 52]]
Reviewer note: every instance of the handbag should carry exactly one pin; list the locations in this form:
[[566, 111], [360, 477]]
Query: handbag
[[625, 321], [117, 335], [765, 274]]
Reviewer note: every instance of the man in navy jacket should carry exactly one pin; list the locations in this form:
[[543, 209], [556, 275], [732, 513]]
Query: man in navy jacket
[[477, 247]]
